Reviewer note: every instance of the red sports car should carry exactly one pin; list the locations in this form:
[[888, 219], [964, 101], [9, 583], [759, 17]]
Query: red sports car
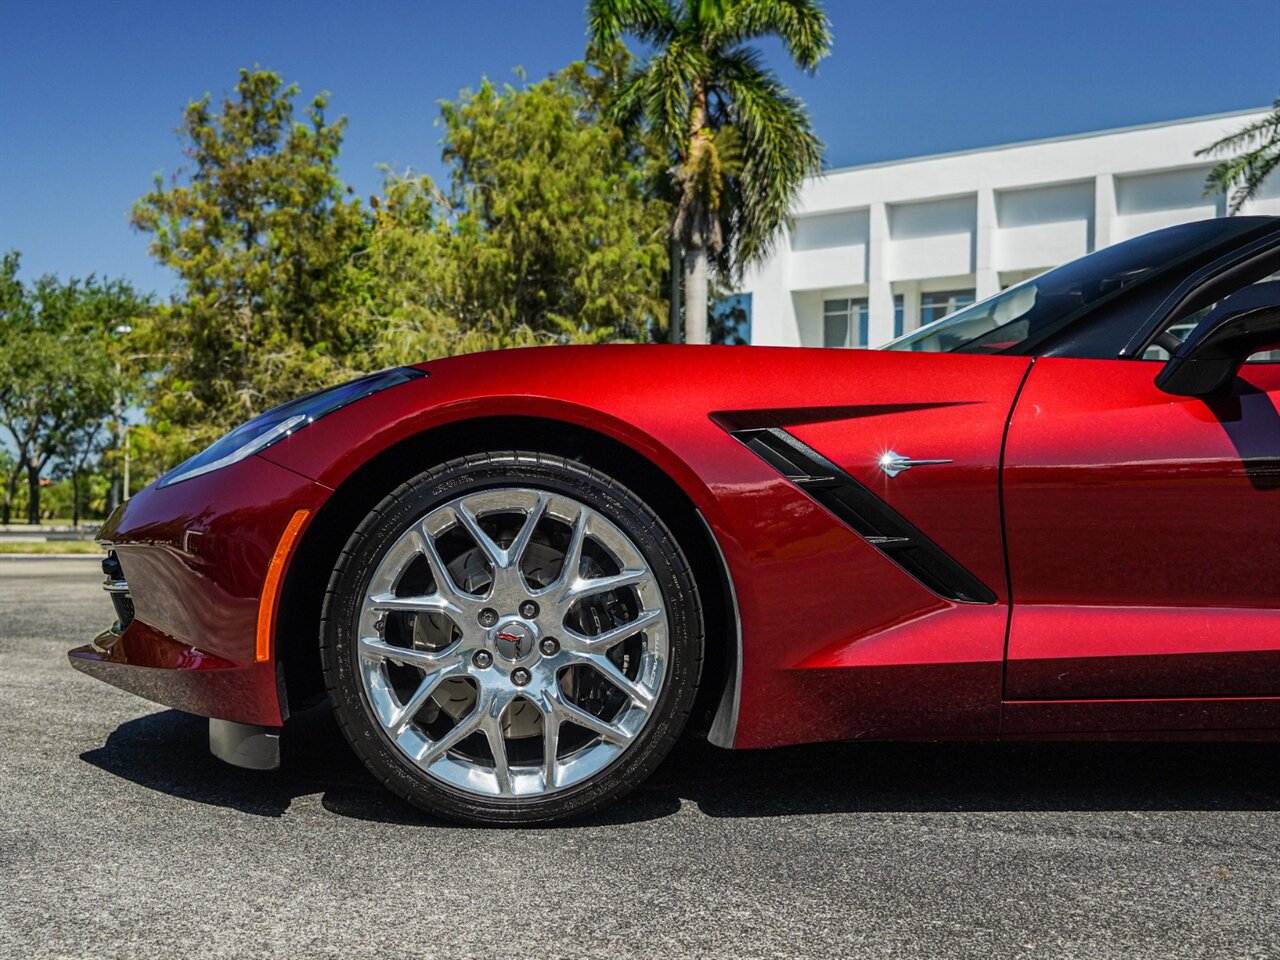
[[519, 576]]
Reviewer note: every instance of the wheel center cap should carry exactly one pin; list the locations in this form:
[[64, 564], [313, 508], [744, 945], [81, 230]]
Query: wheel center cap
[[514, 640]]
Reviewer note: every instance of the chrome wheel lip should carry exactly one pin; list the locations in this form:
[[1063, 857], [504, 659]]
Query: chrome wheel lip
[[495, 686]]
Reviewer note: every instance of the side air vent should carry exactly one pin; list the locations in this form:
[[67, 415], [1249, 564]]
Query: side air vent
[[877, 522]]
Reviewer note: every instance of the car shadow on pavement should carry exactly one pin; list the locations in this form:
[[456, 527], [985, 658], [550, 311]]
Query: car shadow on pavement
[[168, 752]]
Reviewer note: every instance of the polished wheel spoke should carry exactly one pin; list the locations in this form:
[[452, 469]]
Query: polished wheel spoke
[[424, 604], [611, 672], [471, 523], [492, 726], [615, 635], [424, 659], [484, 661], [573, 553], [419, 698], [580, 589], [425, 544], [550, 747], [515, 553], [463, 729], [589, 721]]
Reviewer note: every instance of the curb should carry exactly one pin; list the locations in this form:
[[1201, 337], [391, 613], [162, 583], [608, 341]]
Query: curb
[[51, 556]]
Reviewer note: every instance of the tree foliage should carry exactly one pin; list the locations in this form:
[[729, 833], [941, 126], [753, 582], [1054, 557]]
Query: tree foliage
[[739, 145], [1255, 154], [544, 233], [63, 375], [262, 233]]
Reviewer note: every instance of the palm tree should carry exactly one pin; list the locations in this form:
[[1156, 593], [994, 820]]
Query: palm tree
[[1257, 154], [739, 144]]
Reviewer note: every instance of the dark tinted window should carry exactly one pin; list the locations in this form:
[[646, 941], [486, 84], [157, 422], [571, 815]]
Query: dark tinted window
[[1022, 315]]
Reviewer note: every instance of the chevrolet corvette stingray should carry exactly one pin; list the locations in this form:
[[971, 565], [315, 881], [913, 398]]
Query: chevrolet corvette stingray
[[520, 576]]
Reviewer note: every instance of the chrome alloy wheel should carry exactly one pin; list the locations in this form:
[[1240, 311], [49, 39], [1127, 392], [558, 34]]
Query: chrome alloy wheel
[[513, 642]]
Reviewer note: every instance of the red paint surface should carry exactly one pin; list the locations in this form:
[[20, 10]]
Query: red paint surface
[[1144, 536], [838, 642], [808, 587], [195, 556]]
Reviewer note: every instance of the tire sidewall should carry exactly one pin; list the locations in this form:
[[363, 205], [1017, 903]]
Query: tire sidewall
[[411, 502]]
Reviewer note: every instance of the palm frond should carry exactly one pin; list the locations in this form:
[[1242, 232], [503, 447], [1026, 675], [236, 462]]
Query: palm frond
[[1242, 176], [779, 146], [653, 21], [1260, 131], [736, 144], [801, 25], [673, 74]]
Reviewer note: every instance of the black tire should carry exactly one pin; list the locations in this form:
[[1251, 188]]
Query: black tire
[[412, 501]]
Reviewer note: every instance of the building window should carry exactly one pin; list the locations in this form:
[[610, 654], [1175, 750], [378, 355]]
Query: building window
[[731, 320], [899, 313], [844, 323], [935, 306]]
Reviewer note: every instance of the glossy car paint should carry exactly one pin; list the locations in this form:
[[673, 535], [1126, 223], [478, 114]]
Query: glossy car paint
[[935, 668], [837, 641], [1144, 536], [196, 555]]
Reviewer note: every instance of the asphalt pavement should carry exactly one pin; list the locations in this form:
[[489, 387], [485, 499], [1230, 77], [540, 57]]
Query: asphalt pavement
[[120, 836]]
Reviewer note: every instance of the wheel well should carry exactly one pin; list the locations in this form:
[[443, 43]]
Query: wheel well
[[298, 629]]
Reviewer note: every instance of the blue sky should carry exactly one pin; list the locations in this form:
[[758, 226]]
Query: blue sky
[[90, 93]]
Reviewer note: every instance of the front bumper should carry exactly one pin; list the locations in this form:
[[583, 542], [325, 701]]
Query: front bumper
[[193, 561]]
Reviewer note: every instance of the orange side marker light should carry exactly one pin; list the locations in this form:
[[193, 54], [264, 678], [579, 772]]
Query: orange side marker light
[[271, 586]]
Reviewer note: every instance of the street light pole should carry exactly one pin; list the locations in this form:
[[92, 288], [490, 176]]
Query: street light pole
[[113, 500], [117, 413], [127, 448]]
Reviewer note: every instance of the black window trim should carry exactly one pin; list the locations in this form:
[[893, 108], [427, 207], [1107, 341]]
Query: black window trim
[[1241, 258], [1267, 231]]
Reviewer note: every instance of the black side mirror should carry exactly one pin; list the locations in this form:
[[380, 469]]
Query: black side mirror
[[1209, 359]]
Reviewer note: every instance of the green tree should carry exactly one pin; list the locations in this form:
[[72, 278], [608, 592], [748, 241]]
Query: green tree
[[543, 235], [739, 144], [15, 319], [10, 472], [262, 234], [1255, 151], [60, 379], [85, 443]]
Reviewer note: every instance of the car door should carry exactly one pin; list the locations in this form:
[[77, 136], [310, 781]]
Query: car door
[[1143, 534]]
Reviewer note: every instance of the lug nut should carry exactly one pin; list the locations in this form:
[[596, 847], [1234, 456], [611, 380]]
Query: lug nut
[[520, 676], [482, 658], [549, 647], [528, 609], [488, 617]]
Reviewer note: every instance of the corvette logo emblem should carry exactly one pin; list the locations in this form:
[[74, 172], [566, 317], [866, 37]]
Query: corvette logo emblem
[[513, 643], [895, 463]]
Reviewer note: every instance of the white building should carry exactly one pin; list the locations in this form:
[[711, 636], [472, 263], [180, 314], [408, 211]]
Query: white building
[[878, 250]]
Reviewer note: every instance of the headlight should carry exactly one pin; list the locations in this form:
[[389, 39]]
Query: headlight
[[264, 430]]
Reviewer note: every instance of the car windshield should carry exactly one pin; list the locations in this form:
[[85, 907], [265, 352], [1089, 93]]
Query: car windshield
[[1020, 314]]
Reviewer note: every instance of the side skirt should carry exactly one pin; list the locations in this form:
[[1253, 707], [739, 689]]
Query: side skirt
[[1174, 718]]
